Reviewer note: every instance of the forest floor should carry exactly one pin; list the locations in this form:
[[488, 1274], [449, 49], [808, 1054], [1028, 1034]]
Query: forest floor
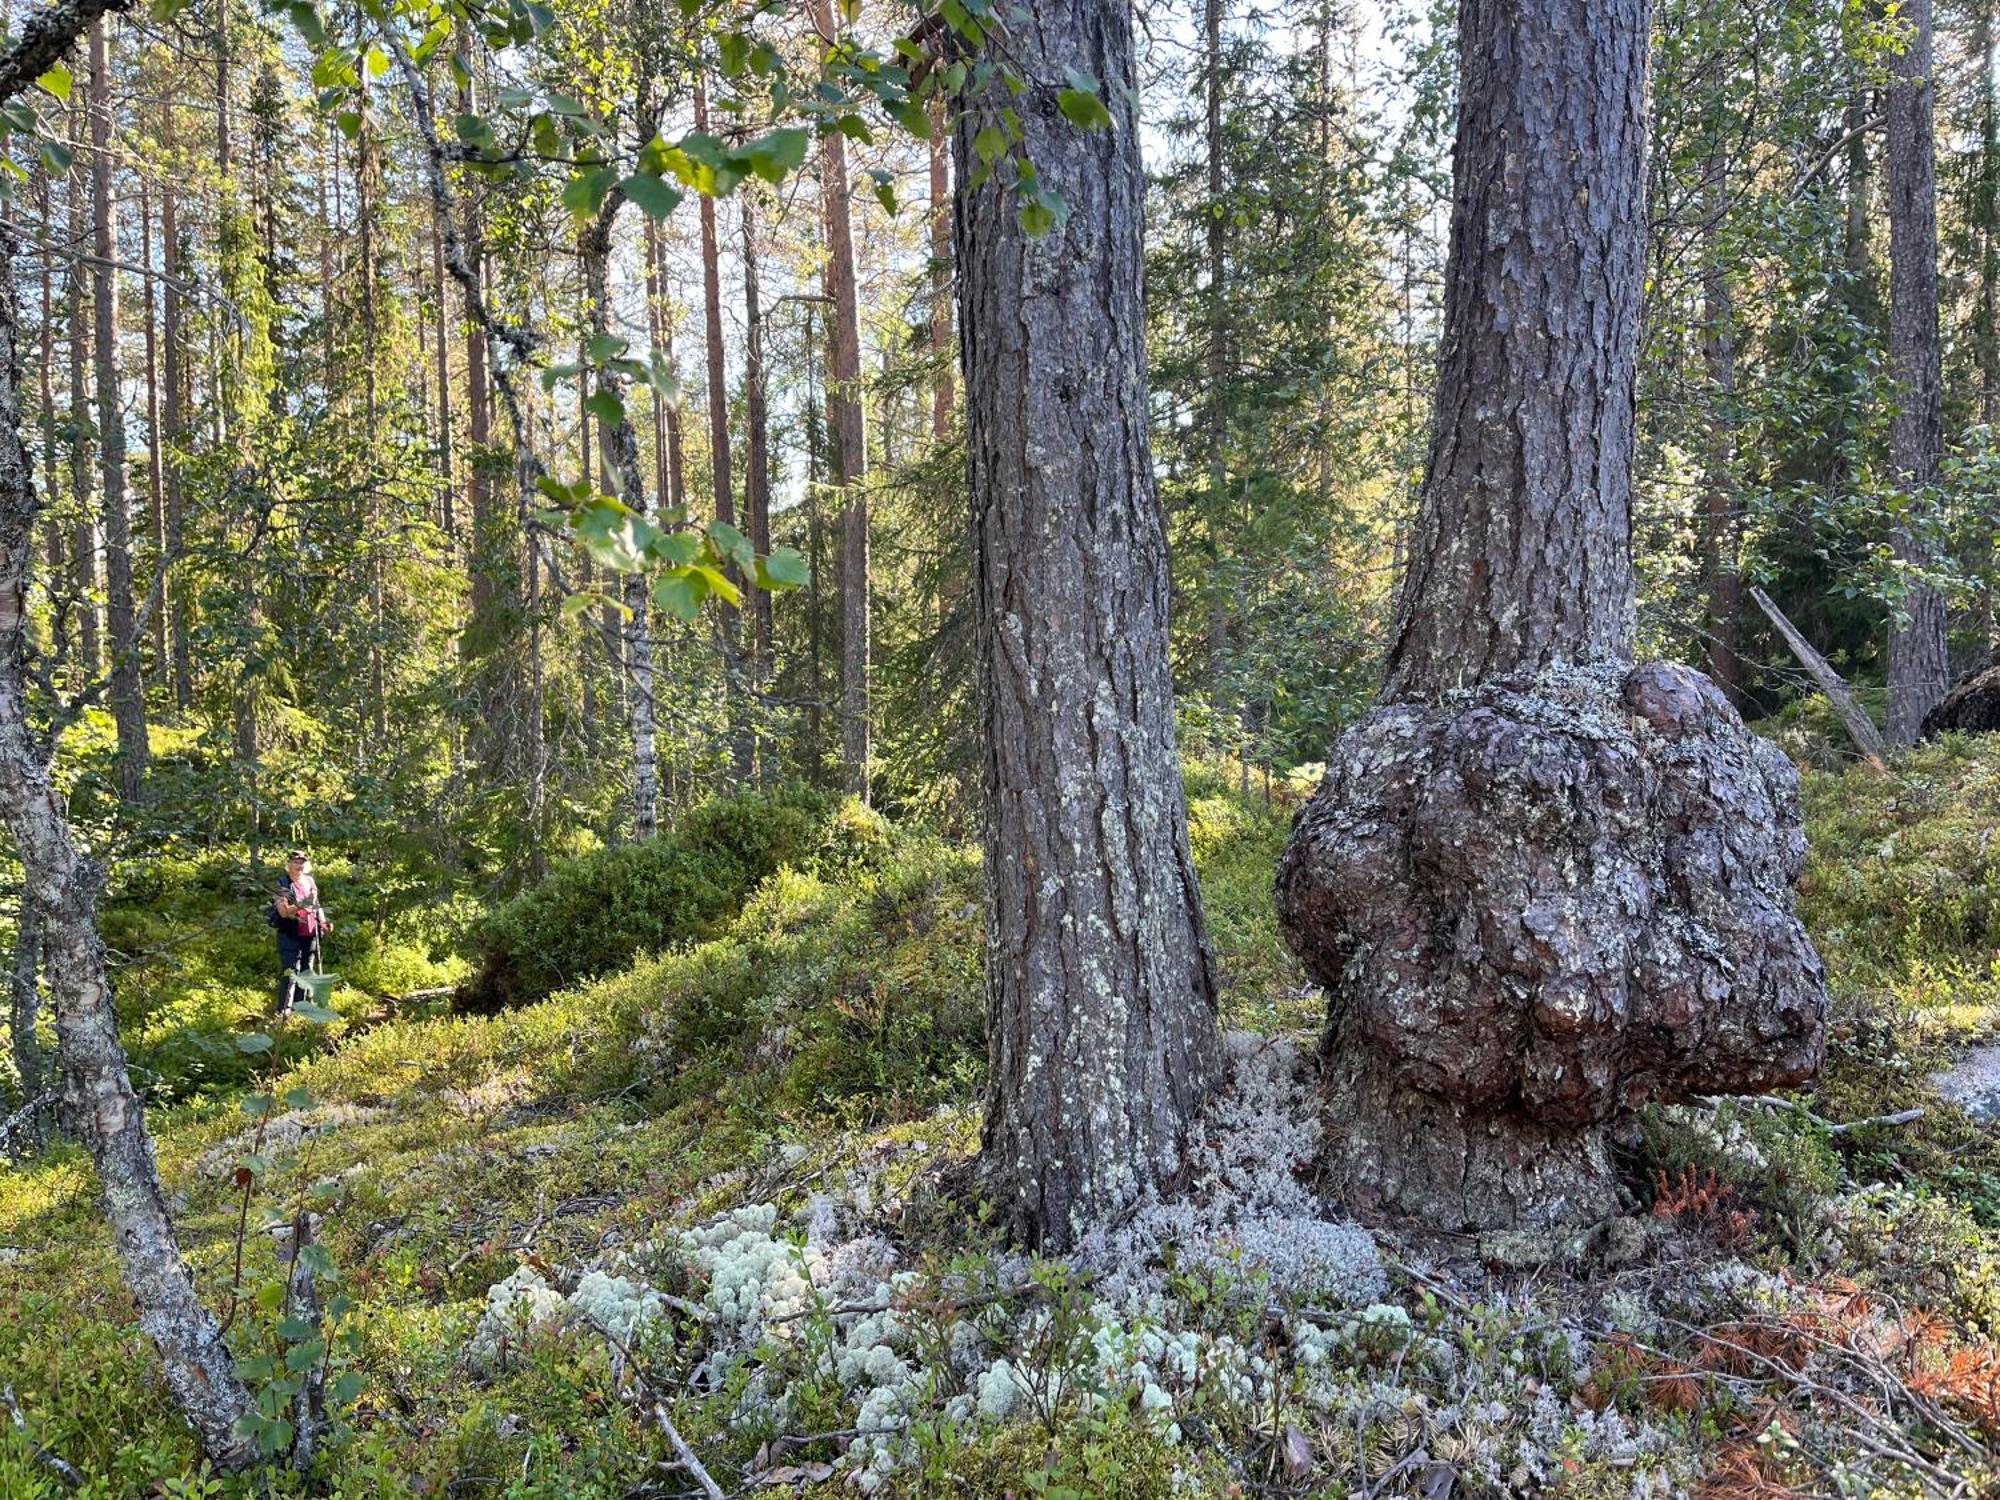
[[703, 1199]]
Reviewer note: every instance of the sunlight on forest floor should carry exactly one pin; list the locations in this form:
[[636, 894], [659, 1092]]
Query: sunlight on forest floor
[[809, 1077]]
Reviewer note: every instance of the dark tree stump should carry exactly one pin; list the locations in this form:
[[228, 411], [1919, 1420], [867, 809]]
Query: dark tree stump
[[1535, 904], [1973, 704]]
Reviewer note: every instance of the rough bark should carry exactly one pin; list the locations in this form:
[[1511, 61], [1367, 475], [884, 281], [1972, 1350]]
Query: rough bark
[[47, 37], [1919, 671], [848, 431], [447, 490], [1973, 704], [1101, 990], [1522, 553], [1538, 883], [128, 693], [63, 882], [624, 472]]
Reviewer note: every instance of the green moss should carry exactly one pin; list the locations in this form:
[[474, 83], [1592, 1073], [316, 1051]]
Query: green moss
[[593, 915]]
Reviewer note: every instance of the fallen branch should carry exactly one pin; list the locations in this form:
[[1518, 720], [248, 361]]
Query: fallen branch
[[689, 1462], [1860, 728], [1831, 1127], [54, 1462]]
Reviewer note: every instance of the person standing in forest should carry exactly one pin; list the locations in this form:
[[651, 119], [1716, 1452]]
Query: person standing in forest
[[296, 914]]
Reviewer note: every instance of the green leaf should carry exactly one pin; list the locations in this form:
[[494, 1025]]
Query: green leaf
[[56, 157], [256, 1104], [584, 193], [298, 1098], [680, 593], [990, 144], [305, 20], [566, 104], [253, 1042], [349, 122], [773, 157], [733, 49], [605, 346], [783, 569], [606, 407], [655, 199], [313, 1011], [1084, 110], [730, 543], [58, 81], [345, 1389]]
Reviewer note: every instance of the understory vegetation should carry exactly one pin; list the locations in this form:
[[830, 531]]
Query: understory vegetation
[[720, 1188]]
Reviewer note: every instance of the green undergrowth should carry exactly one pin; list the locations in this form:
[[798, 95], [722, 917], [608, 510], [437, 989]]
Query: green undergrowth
[[832, 1025]]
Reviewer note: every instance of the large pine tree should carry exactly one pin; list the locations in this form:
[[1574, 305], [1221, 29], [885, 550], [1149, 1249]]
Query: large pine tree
[[1101, 991], [1540, 883]]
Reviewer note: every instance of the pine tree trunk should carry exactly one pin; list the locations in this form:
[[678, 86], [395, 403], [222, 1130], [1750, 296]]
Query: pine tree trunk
[[128, 693], [1101, 990], [63, 883], [624, 472], [83, 522], [944, 396], [1720, 500], [173, 407], [1919, 671], [1539, 883], [447, 488], [51, 527], [848, 431], [1215, 414], [757, 476], [156, 505]]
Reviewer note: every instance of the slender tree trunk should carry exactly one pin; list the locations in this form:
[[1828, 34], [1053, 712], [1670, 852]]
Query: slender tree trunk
[[173, 407], [447, 490], [1919, 671], [98, 1099], [1215, 413], [757, 476], [666, 414], [128, 693], [848, 429], [718, 378], [83, 524], [1511, 882], [1719, 533], [367, 195], [624, 472], [944, 396], [52, 527], [1101, 991], [1987, 342], [156, 506]]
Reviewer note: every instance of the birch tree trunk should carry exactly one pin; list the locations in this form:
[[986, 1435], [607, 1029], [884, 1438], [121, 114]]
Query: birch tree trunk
[[1919, 671], [64, 883], [128, 692], [1100, 987]]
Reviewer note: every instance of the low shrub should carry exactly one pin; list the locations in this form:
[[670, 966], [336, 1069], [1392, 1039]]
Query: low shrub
[[594, 915]]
